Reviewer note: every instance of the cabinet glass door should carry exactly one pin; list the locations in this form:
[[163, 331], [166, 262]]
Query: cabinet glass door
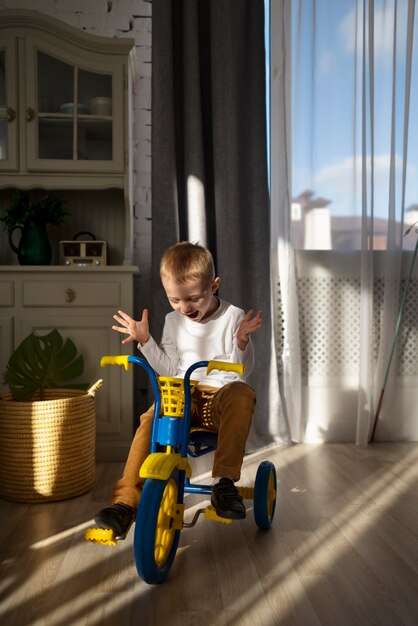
[[8, 106], [56, 109], [94, 133], [3, 123], [74, 112]]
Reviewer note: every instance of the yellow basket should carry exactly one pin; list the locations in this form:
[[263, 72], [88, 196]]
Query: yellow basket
[[172, 395]]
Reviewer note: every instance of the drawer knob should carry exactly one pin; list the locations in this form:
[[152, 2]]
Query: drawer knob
[[30, 114], [10, 114], [70, 295]]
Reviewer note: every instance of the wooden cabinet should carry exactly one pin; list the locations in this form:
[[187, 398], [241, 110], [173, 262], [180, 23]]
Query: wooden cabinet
[[65, 126], [80, 304], [64, 104]]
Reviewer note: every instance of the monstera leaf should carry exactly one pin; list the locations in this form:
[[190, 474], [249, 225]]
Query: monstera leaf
[[42, 362]]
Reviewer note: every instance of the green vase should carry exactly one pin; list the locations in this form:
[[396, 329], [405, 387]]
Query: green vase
[[34, 247]]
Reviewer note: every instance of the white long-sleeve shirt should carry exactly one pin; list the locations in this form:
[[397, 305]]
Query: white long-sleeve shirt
[[185, 342]]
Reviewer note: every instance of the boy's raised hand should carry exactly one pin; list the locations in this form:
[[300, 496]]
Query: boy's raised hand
[[136, 330], [249, 325]]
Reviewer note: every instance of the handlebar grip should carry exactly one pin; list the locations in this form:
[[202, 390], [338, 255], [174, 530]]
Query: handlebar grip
[[116, 360], [224, 365]]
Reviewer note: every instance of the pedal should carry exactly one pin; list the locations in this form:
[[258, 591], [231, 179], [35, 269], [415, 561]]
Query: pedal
[[101, 536], [211, 514]]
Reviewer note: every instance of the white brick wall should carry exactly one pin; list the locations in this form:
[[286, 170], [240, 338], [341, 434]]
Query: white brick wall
[[120, 18]]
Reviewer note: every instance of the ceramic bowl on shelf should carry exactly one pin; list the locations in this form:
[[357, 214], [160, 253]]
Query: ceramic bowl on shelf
[[68, 108], [101, 105]]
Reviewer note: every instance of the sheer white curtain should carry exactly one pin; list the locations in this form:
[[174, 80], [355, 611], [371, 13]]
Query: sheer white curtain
[[287, 397], [344, 170], [388, 31]]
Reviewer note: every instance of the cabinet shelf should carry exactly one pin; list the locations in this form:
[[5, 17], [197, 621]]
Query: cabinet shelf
[[60, 117]]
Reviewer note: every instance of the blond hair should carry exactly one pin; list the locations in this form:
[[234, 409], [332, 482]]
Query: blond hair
[[187, 261]]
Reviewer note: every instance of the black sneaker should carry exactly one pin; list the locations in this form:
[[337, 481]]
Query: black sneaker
[[117, 517], [226, 500]]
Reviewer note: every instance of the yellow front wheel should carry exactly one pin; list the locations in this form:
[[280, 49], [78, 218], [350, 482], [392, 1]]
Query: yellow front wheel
[[157, 529], [165, 532]]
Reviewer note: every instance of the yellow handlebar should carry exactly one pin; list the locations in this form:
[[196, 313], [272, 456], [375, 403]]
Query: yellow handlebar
[[116, 360], [224, 365], [212, 365]]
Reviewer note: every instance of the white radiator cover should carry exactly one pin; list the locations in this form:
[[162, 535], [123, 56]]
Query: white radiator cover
[[328, 287]]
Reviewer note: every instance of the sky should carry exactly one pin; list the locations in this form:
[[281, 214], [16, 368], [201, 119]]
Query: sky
[[327, 88]]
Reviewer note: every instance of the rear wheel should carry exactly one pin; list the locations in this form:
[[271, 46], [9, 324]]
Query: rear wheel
[[156, 538], [265, 491]]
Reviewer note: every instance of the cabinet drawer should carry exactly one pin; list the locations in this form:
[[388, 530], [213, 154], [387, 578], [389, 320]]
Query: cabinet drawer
[[6, 293], [72, 294]]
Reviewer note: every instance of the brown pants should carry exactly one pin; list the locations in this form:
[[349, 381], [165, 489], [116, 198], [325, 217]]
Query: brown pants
[[227, 410]]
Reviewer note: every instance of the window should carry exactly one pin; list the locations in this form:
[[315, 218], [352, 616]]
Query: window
[[347, 123]]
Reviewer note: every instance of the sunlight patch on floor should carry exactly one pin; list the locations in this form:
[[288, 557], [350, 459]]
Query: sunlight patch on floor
[[324, 544], [49, 541]]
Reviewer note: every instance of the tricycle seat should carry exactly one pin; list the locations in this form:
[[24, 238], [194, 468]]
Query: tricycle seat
[[201, 441]]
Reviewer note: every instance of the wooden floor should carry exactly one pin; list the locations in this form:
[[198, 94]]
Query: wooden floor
[[343, 550]]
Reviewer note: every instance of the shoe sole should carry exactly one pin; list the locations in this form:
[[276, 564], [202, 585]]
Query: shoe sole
[[106, 526], [229, 514]]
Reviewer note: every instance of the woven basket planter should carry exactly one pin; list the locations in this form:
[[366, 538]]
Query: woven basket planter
[[48, 447]]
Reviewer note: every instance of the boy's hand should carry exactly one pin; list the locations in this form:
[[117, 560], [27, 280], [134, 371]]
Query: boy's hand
[[137, 331], [249, 325]]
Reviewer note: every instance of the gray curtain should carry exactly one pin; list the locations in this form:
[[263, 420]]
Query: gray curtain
[[209, 125]]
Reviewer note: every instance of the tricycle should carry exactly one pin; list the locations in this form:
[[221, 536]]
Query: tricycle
[[160, 515]]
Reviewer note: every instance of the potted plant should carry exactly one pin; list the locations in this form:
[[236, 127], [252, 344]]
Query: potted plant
[[31, 219], [47, 423]]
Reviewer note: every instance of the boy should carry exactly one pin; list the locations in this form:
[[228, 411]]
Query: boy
[[202, 327]]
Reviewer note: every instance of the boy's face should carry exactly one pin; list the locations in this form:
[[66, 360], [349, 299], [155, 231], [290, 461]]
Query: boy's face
[[195, 299]]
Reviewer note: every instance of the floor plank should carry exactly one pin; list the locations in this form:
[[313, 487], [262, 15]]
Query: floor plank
[[343, 550]]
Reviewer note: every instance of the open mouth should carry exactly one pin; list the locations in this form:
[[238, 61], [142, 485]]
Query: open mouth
[[193, 315]]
